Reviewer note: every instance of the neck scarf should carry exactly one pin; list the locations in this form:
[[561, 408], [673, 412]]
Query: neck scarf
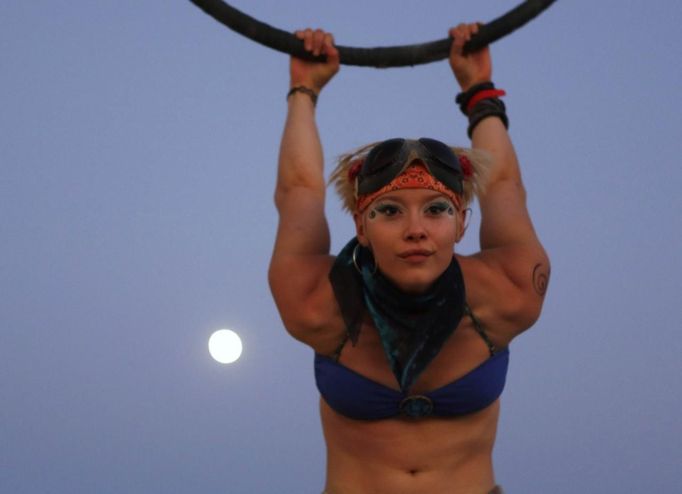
[[412, 327]]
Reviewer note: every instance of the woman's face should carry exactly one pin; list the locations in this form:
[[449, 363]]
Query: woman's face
[[412, 234]]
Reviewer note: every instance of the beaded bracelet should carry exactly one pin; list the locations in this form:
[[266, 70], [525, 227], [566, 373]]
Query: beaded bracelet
[[304, 90]]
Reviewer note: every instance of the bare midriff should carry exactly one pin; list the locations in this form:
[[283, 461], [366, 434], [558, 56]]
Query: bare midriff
[[401, 455]]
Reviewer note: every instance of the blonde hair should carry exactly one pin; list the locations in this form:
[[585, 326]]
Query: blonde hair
[[472, 185]]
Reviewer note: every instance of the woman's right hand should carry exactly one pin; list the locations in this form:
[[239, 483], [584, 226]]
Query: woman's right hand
[[314, 75]]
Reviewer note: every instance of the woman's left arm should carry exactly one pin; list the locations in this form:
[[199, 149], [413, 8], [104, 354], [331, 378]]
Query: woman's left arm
[[512, 268]]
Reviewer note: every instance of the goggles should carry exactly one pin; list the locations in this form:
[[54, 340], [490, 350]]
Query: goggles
[[390, 158]]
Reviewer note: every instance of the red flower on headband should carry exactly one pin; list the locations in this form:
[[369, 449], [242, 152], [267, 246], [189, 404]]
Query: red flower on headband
[[467, 169], [354, 169]]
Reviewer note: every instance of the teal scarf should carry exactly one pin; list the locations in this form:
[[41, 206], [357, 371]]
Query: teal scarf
[[412, 327]]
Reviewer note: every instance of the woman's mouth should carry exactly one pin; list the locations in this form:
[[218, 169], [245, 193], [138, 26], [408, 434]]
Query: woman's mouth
[[415, 255]]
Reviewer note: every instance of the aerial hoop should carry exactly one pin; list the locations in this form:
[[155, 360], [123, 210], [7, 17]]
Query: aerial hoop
[[382, 57]]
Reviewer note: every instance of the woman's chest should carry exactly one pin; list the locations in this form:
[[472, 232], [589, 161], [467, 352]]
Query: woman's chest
[[463, 351]]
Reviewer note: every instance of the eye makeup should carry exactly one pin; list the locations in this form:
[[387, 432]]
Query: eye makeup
[[385, 209], [433, 208], [440, 206]]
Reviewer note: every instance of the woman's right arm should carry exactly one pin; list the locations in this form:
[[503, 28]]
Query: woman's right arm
[[300, 261]]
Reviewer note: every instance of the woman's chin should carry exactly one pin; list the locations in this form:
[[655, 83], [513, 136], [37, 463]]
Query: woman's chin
[[416, 289], [413, 284]]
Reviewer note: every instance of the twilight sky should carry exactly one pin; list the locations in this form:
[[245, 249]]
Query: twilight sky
[[138, 145]]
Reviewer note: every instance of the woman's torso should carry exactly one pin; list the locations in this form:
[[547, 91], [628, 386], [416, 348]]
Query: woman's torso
[[395, 455]]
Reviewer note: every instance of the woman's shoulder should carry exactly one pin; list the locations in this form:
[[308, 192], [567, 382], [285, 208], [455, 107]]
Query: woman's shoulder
[[305, 299]]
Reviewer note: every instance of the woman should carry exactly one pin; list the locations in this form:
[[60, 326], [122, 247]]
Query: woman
[[410, 339]]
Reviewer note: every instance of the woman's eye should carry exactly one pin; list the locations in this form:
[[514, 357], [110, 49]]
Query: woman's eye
[[438, 208], [387, 209]]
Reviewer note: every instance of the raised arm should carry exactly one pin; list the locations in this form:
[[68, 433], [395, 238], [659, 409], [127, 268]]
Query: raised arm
[[514, 264], [300, 260]]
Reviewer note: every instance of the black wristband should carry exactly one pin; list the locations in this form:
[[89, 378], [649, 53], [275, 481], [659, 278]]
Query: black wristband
[[305, 90], [464, 97], [493, 107]]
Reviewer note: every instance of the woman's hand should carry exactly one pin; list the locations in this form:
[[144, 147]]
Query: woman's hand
[[472, 68], [315, 75]]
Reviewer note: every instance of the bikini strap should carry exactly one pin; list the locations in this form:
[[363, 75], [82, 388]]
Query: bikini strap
[[337, 353], [479, 329]]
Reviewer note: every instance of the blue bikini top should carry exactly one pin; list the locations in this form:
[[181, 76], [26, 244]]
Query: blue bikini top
[[355, 396], [358, 397]]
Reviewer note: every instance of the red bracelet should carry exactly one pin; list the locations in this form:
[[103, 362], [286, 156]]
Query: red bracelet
[[485, 94]]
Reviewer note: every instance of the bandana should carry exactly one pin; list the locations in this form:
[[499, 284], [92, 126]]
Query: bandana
[[412, 328], [414, 177]]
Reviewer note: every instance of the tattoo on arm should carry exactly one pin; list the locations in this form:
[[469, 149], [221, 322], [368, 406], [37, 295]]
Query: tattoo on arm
[[541, 278]]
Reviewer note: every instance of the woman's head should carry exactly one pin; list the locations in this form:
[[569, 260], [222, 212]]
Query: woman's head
[[366, 173], [408, 200]]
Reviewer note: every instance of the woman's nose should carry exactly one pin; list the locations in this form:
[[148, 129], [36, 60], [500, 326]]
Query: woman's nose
[[415, 228]]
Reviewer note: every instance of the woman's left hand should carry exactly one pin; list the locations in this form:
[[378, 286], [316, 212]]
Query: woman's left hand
[[315, 75], [472, 68]]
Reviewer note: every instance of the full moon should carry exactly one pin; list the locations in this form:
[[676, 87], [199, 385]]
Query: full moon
[[225, 346]]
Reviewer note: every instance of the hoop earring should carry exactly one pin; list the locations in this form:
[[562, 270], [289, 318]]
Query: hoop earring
[[465, 224], [468, 213], [355, 261]]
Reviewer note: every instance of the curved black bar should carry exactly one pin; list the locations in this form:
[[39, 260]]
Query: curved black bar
[[383, 57]]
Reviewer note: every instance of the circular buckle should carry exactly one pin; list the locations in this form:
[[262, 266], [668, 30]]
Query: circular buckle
[[416, 406]]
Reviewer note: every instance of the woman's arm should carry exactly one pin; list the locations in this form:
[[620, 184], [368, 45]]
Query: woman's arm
[[514, 268], [300, 260]]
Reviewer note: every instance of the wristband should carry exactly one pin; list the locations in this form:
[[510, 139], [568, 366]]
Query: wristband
[[304, 90], [464, 97], [484, 109], [484, 94], [482, 101]]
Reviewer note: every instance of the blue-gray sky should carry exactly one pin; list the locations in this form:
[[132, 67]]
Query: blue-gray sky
[[138, 145]]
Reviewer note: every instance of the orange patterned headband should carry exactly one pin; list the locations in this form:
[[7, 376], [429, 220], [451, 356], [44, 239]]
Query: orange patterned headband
[[414, 177]]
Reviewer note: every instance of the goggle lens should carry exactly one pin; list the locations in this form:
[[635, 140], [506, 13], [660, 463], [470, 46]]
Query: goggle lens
[[382, 155], [442, 153]]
